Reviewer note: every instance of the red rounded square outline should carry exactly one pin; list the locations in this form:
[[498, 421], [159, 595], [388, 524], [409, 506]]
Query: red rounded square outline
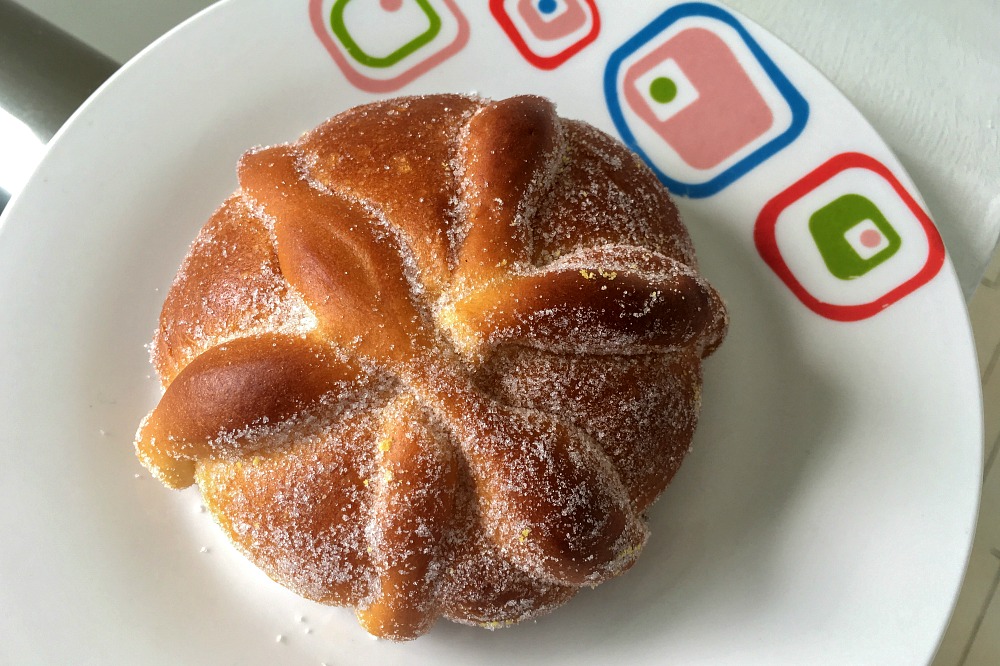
[[765, 238], [551, 62]]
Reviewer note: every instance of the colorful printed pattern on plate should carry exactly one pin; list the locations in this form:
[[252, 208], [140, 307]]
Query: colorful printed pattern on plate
[[548, 32], [696, 96], [382, 45], [848, 239]]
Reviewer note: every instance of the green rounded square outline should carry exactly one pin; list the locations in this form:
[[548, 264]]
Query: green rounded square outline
[[828, 227], [356, 52]]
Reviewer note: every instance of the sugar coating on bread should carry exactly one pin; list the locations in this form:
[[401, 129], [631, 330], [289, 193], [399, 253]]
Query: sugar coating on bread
[[435, 358]]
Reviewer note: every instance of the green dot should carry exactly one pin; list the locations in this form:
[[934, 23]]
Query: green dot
[[663, 90]]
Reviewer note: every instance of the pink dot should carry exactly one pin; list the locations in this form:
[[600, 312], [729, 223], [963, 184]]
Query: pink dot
[[392, 5], [871, 238]]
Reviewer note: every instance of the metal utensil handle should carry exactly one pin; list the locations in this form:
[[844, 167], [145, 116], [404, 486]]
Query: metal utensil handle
[[45, 73]]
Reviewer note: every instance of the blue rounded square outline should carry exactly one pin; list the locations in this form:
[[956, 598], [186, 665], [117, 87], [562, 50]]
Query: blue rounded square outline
[[796, 102]]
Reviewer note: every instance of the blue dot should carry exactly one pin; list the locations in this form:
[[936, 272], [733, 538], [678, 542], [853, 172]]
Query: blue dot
[[547, 6]]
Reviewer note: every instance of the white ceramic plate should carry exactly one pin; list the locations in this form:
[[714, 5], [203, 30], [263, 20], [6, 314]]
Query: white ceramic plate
[[826, 513]]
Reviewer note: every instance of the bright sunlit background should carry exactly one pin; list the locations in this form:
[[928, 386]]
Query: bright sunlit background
[[20, 152]]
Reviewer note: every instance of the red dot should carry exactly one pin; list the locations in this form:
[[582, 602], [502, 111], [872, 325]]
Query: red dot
[[871, 238], [392, 5]]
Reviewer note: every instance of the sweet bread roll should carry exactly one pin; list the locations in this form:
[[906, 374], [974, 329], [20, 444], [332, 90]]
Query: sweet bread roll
[[435, 358]]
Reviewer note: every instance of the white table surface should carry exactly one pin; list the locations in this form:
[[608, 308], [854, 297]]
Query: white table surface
[[925, 73]]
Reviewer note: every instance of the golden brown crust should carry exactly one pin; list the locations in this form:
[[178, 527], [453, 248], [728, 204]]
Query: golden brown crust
[[408, 171], [435, 359], [605, 195], [509, 149], [408, 537], [229, 285], [212, 407], [642, 409]]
